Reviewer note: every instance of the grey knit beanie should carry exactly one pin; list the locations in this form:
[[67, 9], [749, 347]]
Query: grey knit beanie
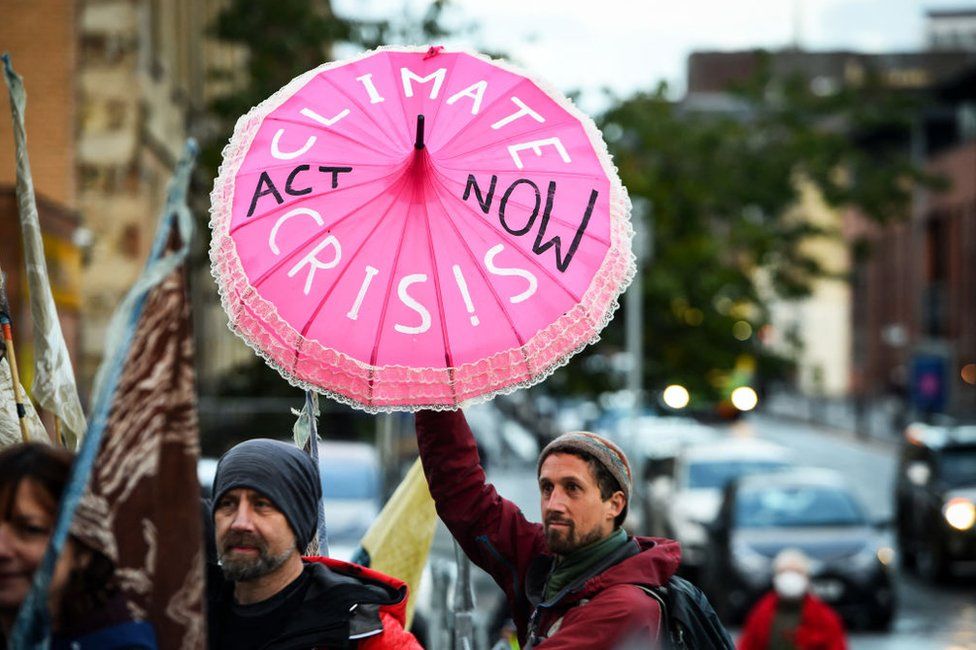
[[606, 453], [280, 471]]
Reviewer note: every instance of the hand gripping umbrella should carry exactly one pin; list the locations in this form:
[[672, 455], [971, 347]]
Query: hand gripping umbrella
[[418, 228]]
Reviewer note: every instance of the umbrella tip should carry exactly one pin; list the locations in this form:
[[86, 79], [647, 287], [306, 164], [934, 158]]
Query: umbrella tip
[[419, 144]]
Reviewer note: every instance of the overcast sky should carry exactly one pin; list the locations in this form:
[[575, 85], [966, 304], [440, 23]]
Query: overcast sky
[[627, 45]]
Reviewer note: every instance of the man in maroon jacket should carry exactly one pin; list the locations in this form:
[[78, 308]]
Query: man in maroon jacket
[[575, 580]]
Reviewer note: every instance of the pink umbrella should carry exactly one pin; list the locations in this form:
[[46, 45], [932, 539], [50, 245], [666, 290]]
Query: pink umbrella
[[418, 228]]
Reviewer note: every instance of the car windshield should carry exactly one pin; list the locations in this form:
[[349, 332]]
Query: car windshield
[[958, 466], [716, 474], [349, 479], [796, 506]]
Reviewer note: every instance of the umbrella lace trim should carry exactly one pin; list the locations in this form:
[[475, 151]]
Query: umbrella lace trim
[[382, 388]]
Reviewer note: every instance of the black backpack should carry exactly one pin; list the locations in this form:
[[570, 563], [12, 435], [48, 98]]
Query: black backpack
[[688, 618]]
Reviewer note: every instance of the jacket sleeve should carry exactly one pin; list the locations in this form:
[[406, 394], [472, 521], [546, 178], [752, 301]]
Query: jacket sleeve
[[491, 530], [394, 637], [622, 616]]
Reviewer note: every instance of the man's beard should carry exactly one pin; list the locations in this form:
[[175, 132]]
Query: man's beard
[[243, 569], [562, 540]]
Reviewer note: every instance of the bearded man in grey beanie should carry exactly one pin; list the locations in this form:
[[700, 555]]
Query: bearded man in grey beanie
[[577, 580], [266, 594]]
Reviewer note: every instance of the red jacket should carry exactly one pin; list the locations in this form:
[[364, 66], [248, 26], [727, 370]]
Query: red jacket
[[393, 617], [820, 628], [608, 609]]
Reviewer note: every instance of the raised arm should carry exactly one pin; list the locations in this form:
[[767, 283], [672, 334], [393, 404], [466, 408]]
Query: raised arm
[[491, 530]]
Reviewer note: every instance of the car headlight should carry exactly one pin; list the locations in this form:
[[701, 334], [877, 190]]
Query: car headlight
[[960, 513], [871, 556], [886, 555], [750, 563]]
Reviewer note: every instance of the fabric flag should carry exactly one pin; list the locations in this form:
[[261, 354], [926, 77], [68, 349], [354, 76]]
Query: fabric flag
[[9, 422], [305, 432], [142, 507], [54, 385], [398, 542]]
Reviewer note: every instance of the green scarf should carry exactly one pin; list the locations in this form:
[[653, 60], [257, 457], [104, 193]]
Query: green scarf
[[570, 567]]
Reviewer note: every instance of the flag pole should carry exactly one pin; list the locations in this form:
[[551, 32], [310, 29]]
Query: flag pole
[[8, 341], [307, 425], [32, 629]]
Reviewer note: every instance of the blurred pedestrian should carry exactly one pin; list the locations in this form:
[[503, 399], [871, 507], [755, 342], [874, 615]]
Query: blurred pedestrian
[[574, 581], [86, 606], [265, 510], [790, 617]]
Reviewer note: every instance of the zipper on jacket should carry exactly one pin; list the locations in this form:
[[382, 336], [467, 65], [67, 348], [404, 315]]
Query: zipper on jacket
[[483, 539]]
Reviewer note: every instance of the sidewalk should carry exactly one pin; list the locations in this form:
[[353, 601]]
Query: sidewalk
[[839, 416]]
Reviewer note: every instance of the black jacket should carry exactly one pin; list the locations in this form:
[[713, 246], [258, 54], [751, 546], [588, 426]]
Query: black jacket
[[335, 611]]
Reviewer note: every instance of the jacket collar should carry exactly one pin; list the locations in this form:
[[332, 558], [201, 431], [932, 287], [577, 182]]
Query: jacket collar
[[542, 567]]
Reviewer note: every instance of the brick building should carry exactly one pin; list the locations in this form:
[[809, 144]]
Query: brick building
[[915, 295], [143, 83], [830, 323], [46, 59]]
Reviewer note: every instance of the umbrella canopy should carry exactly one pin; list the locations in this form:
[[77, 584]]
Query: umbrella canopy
[[418, 228]]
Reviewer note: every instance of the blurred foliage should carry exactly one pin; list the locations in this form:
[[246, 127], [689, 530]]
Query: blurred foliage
[[722, 195], [283, 39]]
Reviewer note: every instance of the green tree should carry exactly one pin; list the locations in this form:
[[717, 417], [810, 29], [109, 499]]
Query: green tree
[[283, 39], [727, 219]]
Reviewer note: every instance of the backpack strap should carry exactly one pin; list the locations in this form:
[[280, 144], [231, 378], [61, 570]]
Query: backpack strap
[[673, 635]]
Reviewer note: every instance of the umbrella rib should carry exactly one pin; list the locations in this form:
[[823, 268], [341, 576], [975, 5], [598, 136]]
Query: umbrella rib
[[307, 197], [380, 128], [298, 249], [491, 287], [484, 277], [524, 254], [545, 128], [262, 168], [549, 172], [330, 131], [407, 119], [432, 119], [389, 286], [557, 219], [448, 359], [470, 125], [348, 265]]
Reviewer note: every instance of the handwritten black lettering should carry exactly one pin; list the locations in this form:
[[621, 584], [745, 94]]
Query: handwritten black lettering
[[472, 184], [335, 171], [562, 263], [535, 210], [291, 179], [258, 192]]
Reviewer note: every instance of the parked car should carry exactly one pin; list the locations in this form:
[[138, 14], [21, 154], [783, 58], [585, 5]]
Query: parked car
[[935, 498], [659, 441], [812, 510], [350, 474], [688, 500]]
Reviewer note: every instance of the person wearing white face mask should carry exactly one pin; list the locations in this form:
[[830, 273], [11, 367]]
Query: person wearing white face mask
[[790, 617]]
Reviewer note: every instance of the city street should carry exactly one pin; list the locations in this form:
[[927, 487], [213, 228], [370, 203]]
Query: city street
[[929, 617]]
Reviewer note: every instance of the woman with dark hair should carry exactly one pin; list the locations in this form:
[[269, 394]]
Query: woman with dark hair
[[87, 610]]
